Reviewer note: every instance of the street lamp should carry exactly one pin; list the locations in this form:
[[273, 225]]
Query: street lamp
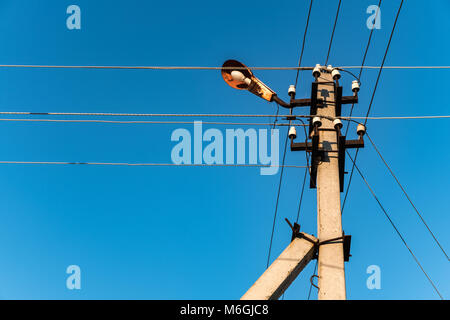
[[238, 76]]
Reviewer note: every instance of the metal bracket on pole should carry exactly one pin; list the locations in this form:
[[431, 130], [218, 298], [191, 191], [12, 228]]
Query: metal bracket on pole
[[346, 240]]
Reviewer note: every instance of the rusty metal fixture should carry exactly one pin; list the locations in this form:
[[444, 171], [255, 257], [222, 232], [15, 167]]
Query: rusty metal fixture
[[245, 80]]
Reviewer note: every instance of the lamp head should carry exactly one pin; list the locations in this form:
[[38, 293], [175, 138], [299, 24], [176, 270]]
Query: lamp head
[[239, 76]]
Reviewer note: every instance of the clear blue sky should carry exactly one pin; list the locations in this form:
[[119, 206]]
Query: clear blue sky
[[203, 233]]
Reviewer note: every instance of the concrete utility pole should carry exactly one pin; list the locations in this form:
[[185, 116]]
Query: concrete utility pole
[[331, 270], [277, 278]]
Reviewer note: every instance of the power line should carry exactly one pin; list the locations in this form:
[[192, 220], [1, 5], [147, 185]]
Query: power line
[[371, 100], [204, 67], [147, 67], [150, 122], [395, 67], [306, 173], [303, 43], [397, 118], [332, 33], [296, 81], [301, 195], [395, 228], [287, 135], [382, 63], [406, 194], [364, 59], [276, 204], [287, 138], [193, 115], [146, 164], [111, 114]]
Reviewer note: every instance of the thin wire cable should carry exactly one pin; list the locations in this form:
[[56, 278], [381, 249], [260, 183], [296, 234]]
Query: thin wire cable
[[371, 101], [111, 114], [148, 67], [276, 116], [146, 164], [301, 195], [384, 60], [332, 33], [192, 115], [406, 194], [303, 43], [395, 67], [296, 82], [204, 68], [150, 122], [310, 286], [395, 228], [364, 59], [397, 117], [276, 204]]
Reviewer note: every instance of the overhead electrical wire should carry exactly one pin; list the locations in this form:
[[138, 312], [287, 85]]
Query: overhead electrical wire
[[395, 228], [306, 136], [303, 43], [301, 195], [364, 58], [112, 114], [146, 67], [276, 204], [146, 164], [395, 67], [407, 196], [332, 33], [397, 117], [150, 122], [202, 68], [382, 63], [371, 100], [287, 138], [306, 172], [193, 115], [296, 82], [101, 114]]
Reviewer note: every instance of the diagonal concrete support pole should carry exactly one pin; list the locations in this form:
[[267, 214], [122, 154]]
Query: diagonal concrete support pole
[[280, 274]]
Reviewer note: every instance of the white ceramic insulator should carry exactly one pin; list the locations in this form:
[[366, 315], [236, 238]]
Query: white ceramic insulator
[[337, 123], [316, 71], [360, 129], [292, 132], [291, 89], [317, 121], [336, 74], [355, 86]]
